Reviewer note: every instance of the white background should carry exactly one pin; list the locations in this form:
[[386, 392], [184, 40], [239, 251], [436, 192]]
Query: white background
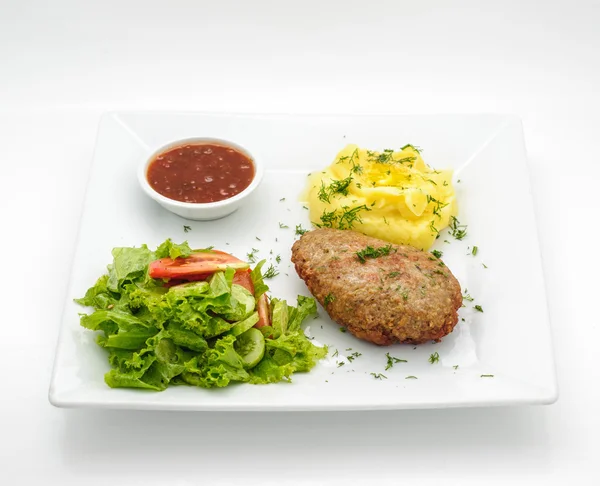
[[63, 63]]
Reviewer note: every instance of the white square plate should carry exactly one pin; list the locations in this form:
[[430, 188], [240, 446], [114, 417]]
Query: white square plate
[[509, 340]]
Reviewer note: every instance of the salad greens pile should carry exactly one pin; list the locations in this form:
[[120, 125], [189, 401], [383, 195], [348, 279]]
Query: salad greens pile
[[197, 333]]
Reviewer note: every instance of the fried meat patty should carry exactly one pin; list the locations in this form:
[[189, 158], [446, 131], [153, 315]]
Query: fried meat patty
[[406, 296]]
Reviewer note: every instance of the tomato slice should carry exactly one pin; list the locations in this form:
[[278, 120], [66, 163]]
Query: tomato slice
[[262, 306], [199, 265], [243, 278]]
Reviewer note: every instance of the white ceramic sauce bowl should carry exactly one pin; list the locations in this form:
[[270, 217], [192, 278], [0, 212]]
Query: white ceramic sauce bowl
[[200, 211]]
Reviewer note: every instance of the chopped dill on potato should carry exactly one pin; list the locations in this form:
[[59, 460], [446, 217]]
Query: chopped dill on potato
[[342, 220]]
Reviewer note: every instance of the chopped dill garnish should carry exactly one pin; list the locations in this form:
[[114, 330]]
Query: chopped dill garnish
[[341, 186], [459, 231], [415, 148], [252, 255], [370, 252], [434, 358], [391, 360], [438, 205], [300, 230], [271, 272], [323, 194], [341, 220], [350, 215], [329, 298], [328, 219], [356, 168], [433, 229]]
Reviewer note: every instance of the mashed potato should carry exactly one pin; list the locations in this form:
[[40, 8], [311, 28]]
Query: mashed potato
[[392, 195]]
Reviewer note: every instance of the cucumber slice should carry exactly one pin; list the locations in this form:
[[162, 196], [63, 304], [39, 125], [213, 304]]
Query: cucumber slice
[[244, 325], [250, 345]]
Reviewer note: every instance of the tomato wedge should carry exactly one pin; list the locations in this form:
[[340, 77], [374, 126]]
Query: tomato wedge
[[262, 306], [198, 265]]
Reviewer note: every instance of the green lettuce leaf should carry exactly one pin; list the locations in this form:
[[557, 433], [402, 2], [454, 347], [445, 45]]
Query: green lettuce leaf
[[129, 264], [99, 296], [132, 339], [257, 280], [288, 349], [279, 316], [241, 303], [269, 371], [185, 338], [295, 349], [173, 250], [197, 306], [218, 367], [112, 321], [297, 315], [128, 369]]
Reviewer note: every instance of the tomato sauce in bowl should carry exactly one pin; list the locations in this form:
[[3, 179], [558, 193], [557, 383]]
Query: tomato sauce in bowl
[[201, 178], [200, 173]]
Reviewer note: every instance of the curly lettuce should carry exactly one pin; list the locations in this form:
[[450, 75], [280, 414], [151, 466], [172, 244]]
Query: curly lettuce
[[156, 335]]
